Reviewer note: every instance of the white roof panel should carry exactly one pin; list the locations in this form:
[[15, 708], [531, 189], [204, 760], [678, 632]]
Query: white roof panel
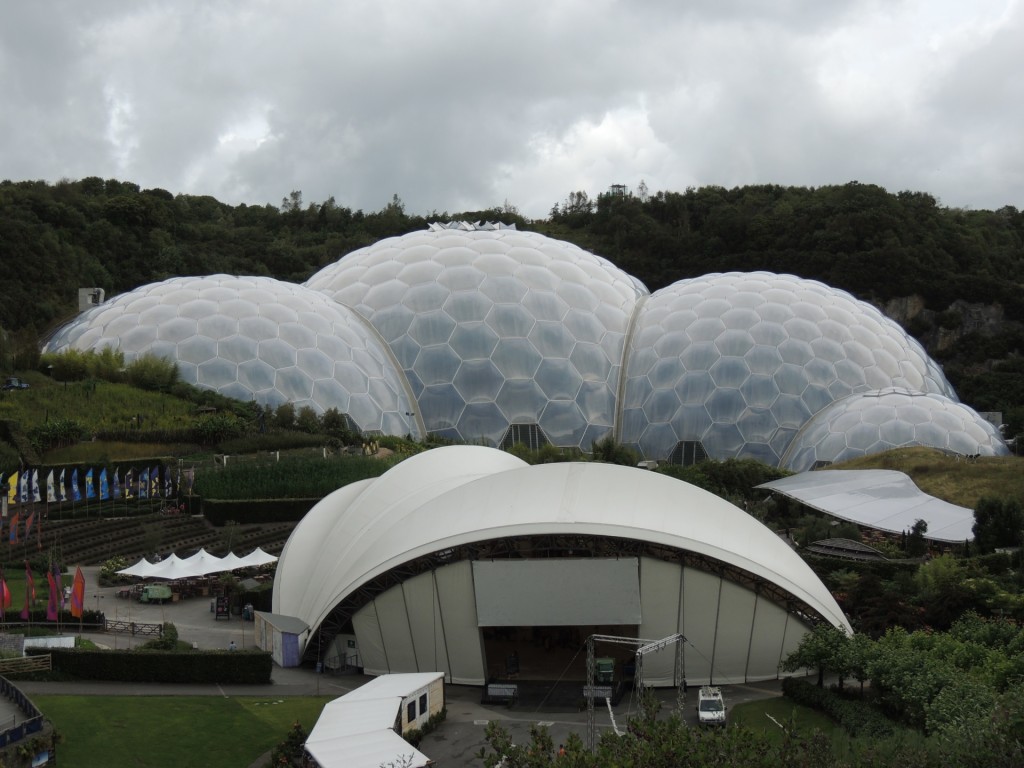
[[457, 495], [877, 498]]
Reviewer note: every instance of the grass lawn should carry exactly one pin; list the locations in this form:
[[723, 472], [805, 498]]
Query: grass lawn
[[173, 731], [754, 715]]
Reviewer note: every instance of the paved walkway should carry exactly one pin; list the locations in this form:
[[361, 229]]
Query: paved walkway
[[456, 743]]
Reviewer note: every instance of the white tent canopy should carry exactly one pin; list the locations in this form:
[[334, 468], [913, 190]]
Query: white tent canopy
[[202, 563], [877, 498]]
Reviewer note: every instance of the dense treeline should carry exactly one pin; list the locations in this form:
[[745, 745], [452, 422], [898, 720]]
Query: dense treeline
[[878, 245]]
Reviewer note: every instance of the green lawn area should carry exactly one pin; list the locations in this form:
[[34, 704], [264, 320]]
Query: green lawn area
[[754, 715], [173, 731]]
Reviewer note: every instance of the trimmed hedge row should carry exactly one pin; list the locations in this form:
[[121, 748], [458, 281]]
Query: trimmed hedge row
[[210, 667], [858, 718], [220, 511]]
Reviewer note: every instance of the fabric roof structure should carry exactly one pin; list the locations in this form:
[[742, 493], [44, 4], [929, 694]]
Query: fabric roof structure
[[877, 498], [202, 563], [357, 729], [457, 495]]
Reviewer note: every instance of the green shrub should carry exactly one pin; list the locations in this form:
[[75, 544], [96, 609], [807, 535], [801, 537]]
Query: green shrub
[[858, 718], [152, 373], [207, 667]]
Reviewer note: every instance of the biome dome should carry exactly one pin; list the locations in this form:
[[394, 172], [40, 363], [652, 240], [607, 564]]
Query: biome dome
[[872, 422], [253, 338], [495, 327], [488, 335], [739, 362]]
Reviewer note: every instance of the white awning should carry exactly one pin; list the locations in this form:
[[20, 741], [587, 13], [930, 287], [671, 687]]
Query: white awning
[[877, 498]]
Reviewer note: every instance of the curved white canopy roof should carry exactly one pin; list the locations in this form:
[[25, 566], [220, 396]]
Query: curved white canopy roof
[[456, 495], [877, 498]]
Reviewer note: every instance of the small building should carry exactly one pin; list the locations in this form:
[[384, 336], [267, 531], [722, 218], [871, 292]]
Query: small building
[[364, 728], [280, 635]]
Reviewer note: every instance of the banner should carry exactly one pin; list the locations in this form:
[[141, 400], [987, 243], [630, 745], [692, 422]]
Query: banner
[[5, 597], [78, 594], [34, 483], [62, 488], [51, 492], [51, 601], [168, 484], [30, 592], [23, 489], [12, 488], [104, 488], [76, 492], [116, 494], [128, 483], [154, 483], [28, 522], [14, 528], [90, 488], [144, 484]]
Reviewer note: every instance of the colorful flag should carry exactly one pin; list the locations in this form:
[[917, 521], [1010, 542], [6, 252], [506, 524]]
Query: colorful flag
[[12, 488], [104, 488], [30, 592], [168, 485], [14, 528], [62, 488], [116, 494], [76, 492], [154, 483], [78, 594], [51, 602], [34, 482], [23, 489], [51, 493], [90, 489], [5, 596], [128, 484], [28, 522], [144, 484]]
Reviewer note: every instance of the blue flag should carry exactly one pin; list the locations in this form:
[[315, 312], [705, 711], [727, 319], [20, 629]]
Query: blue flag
[[76, 492], [90, 489], [104, 488], [144, 484], [117, 486]]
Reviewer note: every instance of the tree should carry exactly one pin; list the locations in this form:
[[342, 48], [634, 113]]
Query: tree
[[998, 523], [824, 648]]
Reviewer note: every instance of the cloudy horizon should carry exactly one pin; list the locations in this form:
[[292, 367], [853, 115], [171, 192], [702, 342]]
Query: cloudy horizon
[[458, 105]]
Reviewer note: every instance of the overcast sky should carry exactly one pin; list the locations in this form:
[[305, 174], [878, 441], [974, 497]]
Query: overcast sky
[[464, 104]]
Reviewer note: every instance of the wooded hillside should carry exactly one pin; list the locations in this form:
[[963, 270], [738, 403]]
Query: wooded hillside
[[954, 278]]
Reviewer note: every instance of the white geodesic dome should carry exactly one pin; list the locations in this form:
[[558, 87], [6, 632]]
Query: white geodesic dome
[[254, 338], [495, 328], [872, 422], [739, 362]]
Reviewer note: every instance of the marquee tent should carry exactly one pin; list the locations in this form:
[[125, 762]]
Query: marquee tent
[[202, 563]]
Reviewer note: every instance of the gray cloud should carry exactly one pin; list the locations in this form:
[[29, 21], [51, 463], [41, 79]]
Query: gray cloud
[[460, 105]]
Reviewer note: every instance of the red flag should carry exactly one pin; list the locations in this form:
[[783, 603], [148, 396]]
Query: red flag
[[14, 528], [30, 592], [5, 596], [78, 594], [51, 603], [28, 523]]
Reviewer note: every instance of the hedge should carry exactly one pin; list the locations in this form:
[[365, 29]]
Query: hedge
[[137, 666], [858, 718], [247, 512]]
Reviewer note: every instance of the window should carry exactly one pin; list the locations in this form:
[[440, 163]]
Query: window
[[688, 453], [423, 703], [410, 712]]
